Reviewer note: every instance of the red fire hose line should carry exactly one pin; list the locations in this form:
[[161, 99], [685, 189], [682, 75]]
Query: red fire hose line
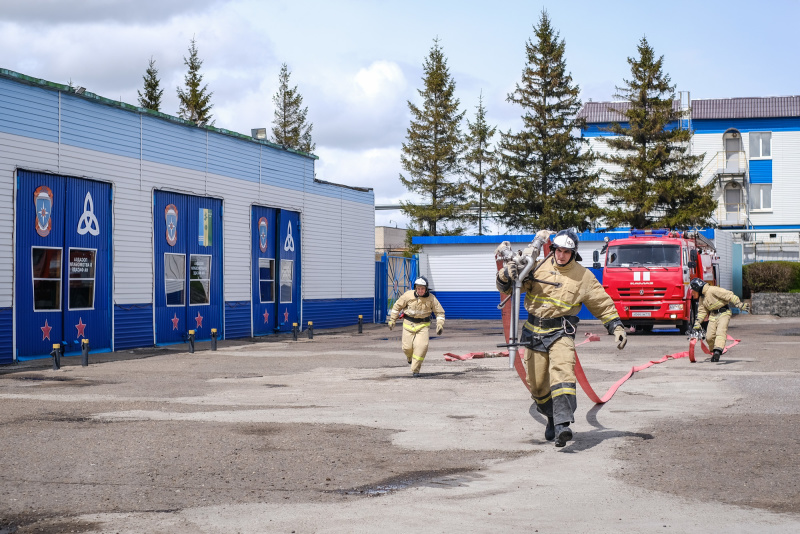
[[580, 375], [584, 382]]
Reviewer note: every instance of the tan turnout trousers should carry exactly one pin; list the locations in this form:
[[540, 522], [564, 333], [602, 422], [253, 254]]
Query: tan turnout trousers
[[548, 371], [717, 330], [415, 343]]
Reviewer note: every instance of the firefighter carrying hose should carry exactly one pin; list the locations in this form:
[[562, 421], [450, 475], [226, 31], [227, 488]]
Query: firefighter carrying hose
[[553, 300], [714, 303], [417, 306]]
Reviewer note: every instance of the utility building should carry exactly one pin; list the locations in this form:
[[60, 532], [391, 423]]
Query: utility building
[[129, 228], [752, 155]]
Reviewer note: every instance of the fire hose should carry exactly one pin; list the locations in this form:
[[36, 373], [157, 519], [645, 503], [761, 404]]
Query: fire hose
[[580, 375]]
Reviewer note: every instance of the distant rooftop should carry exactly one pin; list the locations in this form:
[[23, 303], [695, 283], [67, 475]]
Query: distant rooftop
[[714, 108]]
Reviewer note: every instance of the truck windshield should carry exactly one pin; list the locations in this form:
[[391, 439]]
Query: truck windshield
[[644, 255]]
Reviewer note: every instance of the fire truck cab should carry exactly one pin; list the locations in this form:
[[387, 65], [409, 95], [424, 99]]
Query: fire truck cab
[[647, 275]]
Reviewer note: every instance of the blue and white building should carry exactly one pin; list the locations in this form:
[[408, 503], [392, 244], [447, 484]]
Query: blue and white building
[[751, 149], [129, 228]]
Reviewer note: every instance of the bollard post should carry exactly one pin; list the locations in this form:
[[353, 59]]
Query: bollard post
[[213, 339], [191, 341], [310, 330], [56, 354], [360, 324], [294, 331], [84, 352]]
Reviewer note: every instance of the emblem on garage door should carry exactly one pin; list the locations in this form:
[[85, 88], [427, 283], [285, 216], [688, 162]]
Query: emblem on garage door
[[43, 198], [262, 234], [171, 216]]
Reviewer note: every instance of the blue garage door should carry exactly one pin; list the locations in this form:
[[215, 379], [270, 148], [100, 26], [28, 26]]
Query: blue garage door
[[288, 270], [275, 270], [188, 266], [63, 264]]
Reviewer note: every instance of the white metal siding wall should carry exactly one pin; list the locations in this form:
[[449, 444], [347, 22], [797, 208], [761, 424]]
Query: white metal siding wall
[[357, 226], [723, 241], [322, 246], [471, 266], [785, 180]]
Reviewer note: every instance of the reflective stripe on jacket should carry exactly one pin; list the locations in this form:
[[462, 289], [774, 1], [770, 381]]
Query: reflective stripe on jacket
[[712, 299], [418, 307]]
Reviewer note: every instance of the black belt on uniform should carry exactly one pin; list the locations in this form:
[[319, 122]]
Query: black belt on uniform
[[721, 310], [541, 322], [417, 319]]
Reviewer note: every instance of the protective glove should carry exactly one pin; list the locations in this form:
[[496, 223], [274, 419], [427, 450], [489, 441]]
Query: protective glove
[[439, 328], [390, 322], [620, 337], [503, 249], [508, 273], [536, 245], [745, 307]]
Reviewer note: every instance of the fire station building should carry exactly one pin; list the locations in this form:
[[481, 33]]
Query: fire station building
[[129, 228]]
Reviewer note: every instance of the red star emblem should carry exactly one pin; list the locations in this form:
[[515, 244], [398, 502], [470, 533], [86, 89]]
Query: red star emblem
[[286, 315], [81, 327], [266, 316], [199, 320], [175, 322], [46, 330]]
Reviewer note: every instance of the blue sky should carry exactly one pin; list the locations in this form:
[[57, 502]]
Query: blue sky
[[357, 63]]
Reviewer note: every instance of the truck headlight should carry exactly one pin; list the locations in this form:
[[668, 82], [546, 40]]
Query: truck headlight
[[673, 307]]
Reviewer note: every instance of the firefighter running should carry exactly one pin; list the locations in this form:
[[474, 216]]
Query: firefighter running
[[417, 306], [549, 332], [715, 303]]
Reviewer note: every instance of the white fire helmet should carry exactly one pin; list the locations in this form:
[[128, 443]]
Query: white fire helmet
[[420, 282], [567, 239]]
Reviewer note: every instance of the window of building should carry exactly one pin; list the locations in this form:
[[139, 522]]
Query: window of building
[[200, 281], [266, 279], [287, 271], [760, 145], [81, 278], [46, 263], [761, 197], [175, 279]]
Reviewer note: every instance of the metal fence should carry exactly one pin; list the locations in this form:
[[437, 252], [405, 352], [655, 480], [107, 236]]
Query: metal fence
[[394, 275]]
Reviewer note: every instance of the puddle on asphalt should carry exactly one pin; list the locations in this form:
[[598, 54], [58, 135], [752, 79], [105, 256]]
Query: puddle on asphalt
[[438, 478], [52, 381]]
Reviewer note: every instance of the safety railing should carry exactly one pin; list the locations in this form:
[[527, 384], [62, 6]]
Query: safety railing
[[724, 163], [730, 214]]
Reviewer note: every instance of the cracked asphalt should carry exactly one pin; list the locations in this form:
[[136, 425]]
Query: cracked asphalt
[[334, 435]]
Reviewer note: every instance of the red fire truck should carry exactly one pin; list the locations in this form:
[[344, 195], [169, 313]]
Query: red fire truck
[[648, 274]]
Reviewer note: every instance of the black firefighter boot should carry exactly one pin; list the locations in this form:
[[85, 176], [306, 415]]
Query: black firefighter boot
[[563, 434], [549, 430], [716, 355]]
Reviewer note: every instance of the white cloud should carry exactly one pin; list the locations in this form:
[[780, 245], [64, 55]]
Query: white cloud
[[381, 81], [128, 11]]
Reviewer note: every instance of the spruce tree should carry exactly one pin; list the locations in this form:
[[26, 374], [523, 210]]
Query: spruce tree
[[431, 153], [195, 103], [290, 128], [546, 179], [151, 98], [479, 162], [654, 181]]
